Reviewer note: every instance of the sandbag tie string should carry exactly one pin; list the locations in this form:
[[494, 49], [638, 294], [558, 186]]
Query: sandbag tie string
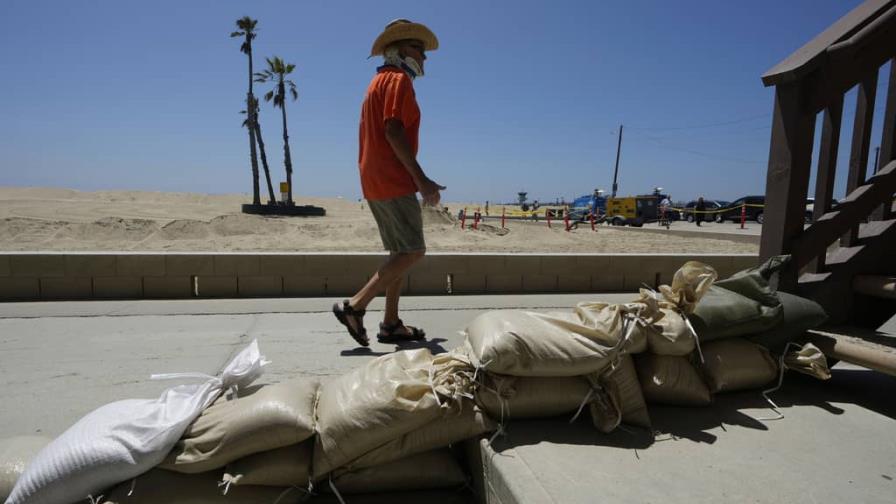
[[765, 393], [335, 491]]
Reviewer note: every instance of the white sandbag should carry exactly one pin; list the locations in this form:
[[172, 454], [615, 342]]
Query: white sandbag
[[452, 427], [125, 438], [689, 284], [737, 364], [809, 360], [511, 397], [15, 454], [669, 379], [431, 469], [523, 343], [272, 417], [624, 391], [283, 467], [159, 486], [384, 399]]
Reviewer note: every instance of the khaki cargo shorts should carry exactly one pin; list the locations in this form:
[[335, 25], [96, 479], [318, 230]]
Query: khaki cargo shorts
[[400, 221]]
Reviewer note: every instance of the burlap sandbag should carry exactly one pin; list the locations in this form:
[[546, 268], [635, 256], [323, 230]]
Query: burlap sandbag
[[274, 416], [606, 318], [287, 466], [159, 486], [809, 360], [669, 379], [689, 284], [671, 335], [15, 454], [452, 427], [383, 400], [799, 315], [737, 364], [523, 343], [510, 397], [624, 390], [431, 469]]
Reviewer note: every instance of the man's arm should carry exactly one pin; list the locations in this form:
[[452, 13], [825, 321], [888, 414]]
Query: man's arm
[[397, 139]]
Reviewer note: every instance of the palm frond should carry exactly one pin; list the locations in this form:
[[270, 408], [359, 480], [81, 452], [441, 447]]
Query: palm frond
[[289, 69], [295, 94], [237, 34], [268, 96]]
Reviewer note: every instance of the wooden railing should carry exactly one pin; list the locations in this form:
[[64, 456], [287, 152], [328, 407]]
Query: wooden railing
[[814, 80]]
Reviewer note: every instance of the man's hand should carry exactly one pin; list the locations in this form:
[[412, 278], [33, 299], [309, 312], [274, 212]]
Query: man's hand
[[430, 192]]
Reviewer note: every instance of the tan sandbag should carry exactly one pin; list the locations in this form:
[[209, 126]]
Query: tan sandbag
[[671, 335], [383, 400], [689, 284], [669, 379], [510, 397], [431, 469], [606, 318], [274, 416], [737, 364], [159, 486], [287, 466], [452, 427], [15, 454], [808, 360], [624, 389], [523, 343]]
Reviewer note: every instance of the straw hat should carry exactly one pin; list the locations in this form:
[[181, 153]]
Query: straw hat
[[402, 29]]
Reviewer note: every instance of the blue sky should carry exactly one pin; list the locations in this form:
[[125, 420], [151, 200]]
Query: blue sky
[[522, 95]]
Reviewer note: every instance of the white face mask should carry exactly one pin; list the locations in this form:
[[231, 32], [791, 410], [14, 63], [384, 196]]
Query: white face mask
[[408, 64]]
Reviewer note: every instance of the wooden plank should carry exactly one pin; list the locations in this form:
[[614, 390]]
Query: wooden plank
[[827, 168], [861, 142], [787, 181], [811, 56], [852, 209], [858, 346], [888, 139]]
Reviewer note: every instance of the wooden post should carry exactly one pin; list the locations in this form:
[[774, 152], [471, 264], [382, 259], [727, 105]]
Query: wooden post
[[827, 169], [463, 218], [888, 139], [503, 216], [789, 163], [861, 143]]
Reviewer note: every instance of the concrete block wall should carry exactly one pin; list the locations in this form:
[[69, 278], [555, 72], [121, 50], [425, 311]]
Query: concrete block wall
[[118, 275]]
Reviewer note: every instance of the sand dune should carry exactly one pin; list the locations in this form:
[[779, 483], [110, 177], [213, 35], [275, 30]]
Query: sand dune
[[64, 219]]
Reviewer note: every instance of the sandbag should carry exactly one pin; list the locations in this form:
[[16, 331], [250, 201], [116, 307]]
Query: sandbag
[[510, 397], [624, 390], [431, 469], [737, 364], [689, 284], [669, 379], [286, 466], [452, 427], [809, 360], [15, 454], [799, 315], [671, 335], [726, 314], [120, 440], [272, 417], [524, 343], [606, 318], [159, 486], [384, 399]]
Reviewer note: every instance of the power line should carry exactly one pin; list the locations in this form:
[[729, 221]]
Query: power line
[[703, 126]]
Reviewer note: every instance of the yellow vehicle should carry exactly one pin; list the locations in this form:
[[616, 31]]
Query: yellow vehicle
[[632, 210]]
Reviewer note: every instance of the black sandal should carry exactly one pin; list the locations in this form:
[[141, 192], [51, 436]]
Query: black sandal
[[387, 333], [345, 311]]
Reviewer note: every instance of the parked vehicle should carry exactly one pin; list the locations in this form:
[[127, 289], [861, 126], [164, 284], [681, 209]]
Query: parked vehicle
[[581, 207], [755, 209], [688, 212], [632, 210], [810, 208]]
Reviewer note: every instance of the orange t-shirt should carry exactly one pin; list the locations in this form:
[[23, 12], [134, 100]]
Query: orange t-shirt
[[389, 96]]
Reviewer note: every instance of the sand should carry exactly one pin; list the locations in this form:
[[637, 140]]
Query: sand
[[48, 219]]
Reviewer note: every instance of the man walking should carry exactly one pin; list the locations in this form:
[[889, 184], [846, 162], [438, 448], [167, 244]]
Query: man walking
[[391, 176], [699, 210]]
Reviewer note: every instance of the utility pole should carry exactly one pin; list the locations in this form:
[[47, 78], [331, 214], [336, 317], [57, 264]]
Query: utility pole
[[616, 172]]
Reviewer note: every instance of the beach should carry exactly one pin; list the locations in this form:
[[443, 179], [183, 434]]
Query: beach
[[55, 219]]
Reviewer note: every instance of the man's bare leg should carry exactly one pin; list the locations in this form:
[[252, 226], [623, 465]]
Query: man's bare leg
[[393, 292], [394, 269]]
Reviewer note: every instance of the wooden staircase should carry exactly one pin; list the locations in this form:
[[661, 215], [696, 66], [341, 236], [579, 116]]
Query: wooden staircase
[[846, 259]]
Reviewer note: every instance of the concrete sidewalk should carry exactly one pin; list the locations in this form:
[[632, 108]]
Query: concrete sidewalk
[[59, 361]]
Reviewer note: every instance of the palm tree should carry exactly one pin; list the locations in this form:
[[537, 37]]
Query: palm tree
[[246, 27], [276, 72]]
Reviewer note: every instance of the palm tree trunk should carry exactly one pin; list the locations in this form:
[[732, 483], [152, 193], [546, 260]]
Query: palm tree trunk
[[287, 159], [264, 162], [250, 110], [253, 156]]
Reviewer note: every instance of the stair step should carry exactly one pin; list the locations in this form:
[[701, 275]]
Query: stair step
[[842, 255], [877, 286], [863, 347], [872, 229]]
